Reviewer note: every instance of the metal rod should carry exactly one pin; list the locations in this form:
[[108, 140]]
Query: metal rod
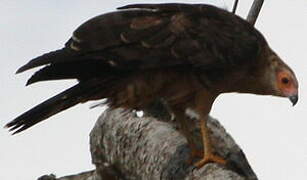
[[235, 5], [254, 11]]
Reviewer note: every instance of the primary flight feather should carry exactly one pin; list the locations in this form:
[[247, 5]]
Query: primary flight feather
[[185, 54]]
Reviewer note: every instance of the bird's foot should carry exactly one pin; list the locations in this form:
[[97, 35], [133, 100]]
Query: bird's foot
[[210, 158], [195, 154]]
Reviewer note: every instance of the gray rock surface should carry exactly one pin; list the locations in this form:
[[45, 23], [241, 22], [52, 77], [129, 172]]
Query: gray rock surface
[[146, 148], [127, 147]]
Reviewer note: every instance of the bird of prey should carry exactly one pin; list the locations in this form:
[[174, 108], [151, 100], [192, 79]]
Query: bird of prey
[[185, 54]]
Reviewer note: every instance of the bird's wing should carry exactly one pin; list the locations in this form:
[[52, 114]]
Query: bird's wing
[[140, 37], [158, 35]]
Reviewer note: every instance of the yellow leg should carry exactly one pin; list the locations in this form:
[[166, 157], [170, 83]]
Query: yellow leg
[[195, 153], [184, 124], [208, 155]]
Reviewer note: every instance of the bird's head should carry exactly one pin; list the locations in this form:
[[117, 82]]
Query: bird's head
[[282, 79], [287, 85]]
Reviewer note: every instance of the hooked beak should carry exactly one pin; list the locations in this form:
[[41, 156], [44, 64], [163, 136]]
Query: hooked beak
[[293, 99]]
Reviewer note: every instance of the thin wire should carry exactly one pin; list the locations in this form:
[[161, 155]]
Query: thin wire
[[235, 5]]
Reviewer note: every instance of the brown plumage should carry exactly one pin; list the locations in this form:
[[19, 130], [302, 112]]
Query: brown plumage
[[184, 54]]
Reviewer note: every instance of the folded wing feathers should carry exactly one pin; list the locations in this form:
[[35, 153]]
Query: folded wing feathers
[[60, 55]]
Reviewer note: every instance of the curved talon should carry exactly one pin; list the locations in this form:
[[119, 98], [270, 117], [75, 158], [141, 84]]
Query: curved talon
[[210, 159]]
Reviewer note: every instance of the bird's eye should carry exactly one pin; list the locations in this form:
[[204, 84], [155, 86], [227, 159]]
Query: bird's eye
[[285, 80]]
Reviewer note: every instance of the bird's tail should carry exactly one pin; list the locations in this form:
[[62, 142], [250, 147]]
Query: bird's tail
[[82, 92]]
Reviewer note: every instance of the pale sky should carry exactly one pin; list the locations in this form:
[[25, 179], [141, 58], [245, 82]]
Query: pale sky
[[270, 131]]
